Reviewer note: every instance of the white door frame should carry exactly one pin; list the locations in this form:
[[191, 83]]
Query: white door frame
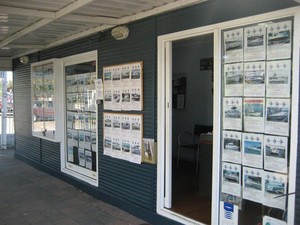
[[164, 132], [164, 182]]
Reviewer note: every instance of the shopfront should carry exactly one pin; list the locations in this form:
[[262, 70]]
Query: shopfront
[[255, 98], [111, 113]]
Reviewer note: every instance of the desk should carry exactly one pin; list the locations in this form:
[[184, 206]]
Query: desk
[[205, 164], [206, 139]]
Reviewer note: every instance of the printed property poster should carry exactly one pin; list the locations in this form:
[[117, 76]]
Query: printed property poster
[[252, 153], [254, 79], [232, 113], [255, 43], [275, 189], [253, 184], [232, 144], [233, 44], [278, 116], [275, 155], [231, 178], [278, 81], [234, 79], [279, 40], [254, 114]]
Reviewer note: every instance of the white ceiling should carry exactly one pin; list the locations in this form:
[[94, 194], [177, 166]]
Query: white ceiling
[[28, 26]]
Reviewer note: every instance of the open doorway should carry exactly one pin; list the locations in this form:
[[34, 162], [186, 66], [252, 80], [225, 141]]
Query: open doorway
[[192, 119]]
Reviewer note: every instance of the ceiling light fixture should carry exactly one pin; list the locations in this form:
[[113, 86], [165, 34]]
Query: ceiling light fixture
[[24, 59], [120, 32]]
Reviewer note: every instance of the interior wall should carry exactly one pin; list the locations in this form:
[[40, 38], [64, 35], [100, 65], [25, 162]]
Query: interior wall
[[199, 88]]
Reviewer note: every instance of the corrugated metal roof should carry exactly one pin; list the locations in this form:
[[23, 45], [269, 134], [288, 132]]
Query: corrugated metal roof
[[31, 25]]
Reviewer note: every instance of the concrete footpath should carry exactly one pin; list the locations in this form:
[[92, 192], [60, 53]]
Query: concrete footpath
[[29, 196]]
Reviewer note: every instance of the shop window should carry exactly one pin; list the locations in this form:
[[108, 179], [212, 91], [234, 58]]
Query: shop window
[[46, 114], [256, 77]]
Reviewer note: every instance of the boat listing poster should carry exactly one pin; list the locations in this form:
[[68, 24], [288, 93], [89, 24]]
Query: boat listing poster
[[232, 113], [277, 116], [254, 79], [234, 79], [275, 189], [234, 47], [252, 184], [231, 179], [275, 155], [232, 146], [252, 153], [255, 44], [278, 81], [279, 40], [254, 114]]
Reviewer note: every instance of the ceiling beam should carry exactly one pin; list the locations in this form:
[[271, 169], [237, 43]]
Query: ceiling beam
[[25, 31], [25, 46], [27, 12], [91, 19], [168, 7], [70, 8], [52, 15], [160, 9], [60, 13]]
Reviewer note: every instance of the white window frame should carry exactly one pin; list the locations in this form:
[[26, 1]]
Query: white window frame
[[89, 176], [58, 91], [163, 132]]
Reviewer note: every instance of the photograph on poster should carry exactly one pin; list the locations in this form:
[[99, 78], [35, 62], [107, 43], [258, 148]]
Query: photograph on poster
[[233, 44], [279, 40], [234, 79], [232, 146], [253, 184], [277, 114], [278, 78], [254, 112], [255, 39], [275, 156], [275, 188], [252, 150]]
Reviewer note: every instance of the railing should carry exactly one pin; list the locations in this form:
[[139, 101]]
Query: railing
[[10, 131]]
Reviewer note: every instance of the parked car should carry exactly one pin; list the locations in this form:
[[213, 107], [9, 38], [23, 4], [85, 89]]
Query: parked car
[[43, 110], [10, 106]]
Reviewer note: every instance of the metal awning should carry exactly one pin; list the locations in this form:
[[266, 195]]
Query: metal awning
[[28, 26]]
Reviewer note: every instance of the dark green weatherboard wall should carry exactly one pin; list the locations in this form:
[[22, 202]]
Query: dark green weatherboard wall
[[129, 186]]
